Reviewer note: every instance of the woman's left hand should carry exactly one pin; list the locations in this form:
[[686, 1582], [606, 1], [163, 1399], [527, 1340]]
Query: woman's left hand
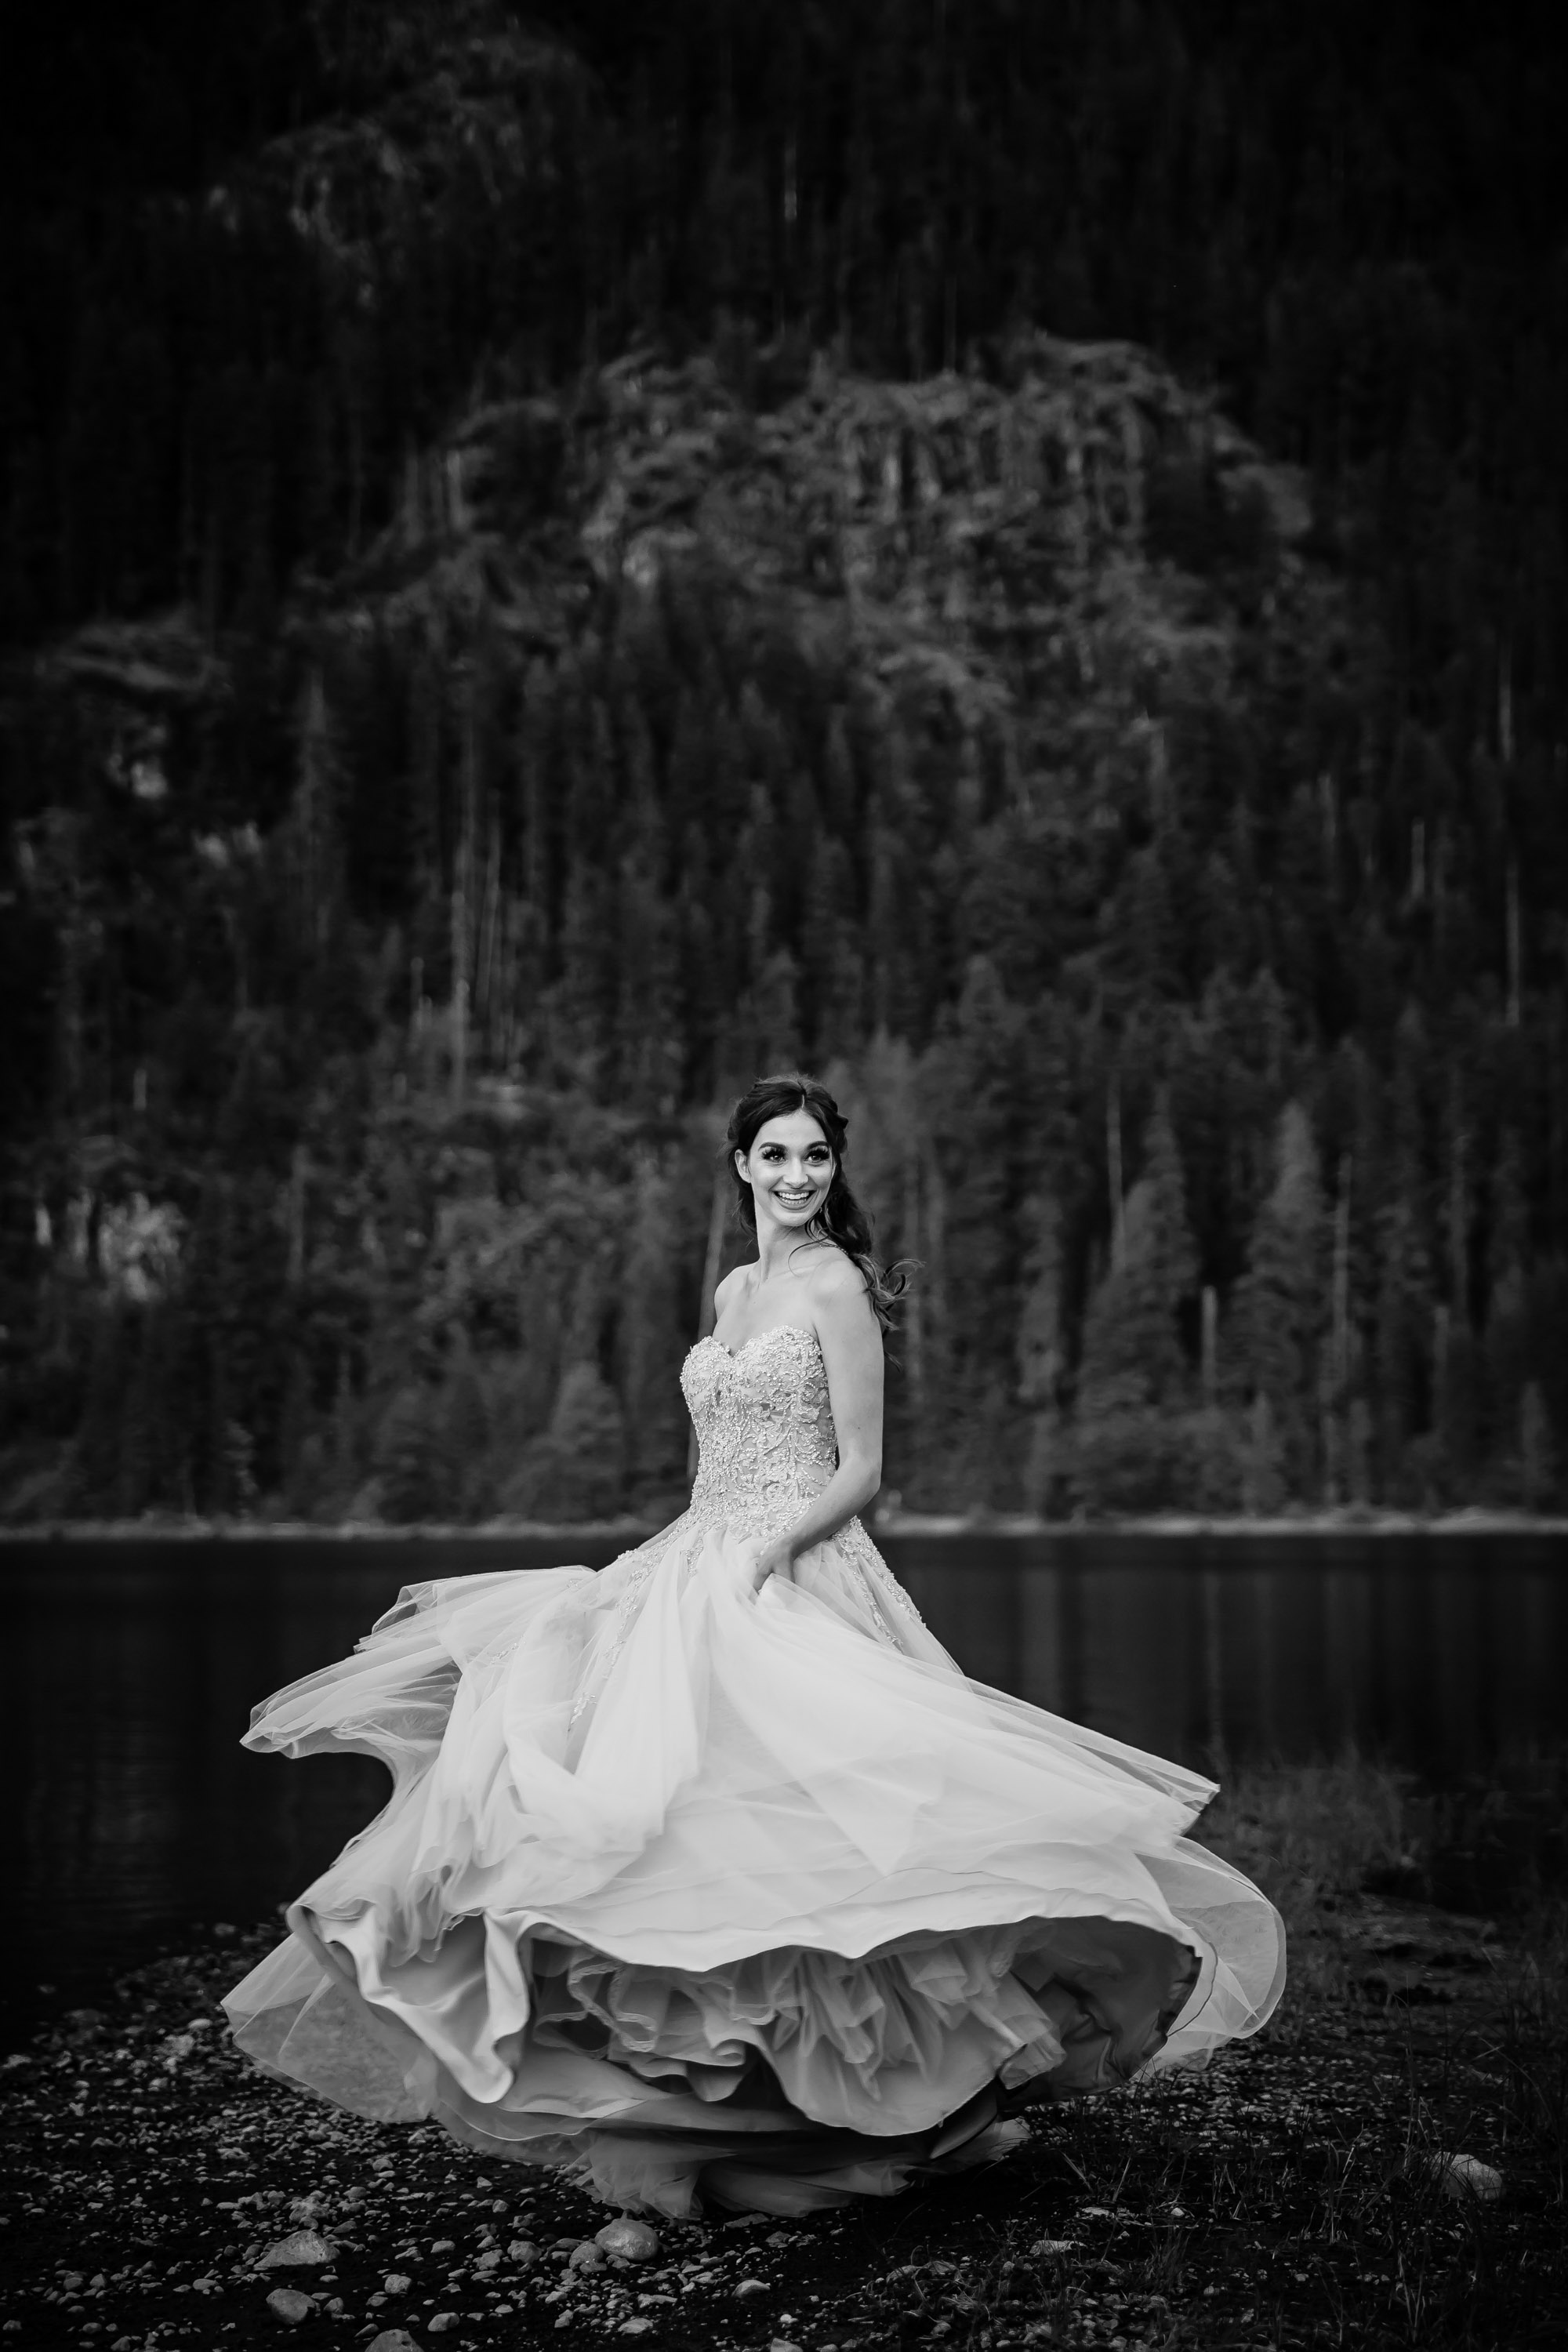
[[775, 1559]]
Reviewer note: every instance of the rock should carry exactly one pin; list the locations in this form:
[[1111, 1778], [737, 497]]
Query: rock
[[393, 2339], [442, 2322], [300, 2248], [585, 2257], [397, 2283], [1451, 2173], [783, 2344], [1045, 2250], [289, 2304], [1466, 2176], [306, 2212], [750, 2290], [634, 2327], [634, 2241], [522, 2250], [488, 2260]]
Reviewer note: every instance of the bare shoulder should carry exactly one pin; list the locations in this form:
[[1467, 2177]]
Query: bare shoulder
[[726, 1285], [834, 1283]]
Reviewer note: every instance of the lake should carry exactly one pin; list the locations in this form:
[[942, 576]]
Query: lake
[[135, 1665]]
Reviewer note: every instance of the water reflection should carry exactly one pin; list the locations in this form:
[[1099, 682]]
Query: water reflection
[[1439, 1653], [137, 1666]]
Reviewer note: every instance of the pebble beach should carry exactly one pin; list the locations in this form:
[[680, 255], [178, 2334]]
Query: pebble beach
[[1382, 2166]]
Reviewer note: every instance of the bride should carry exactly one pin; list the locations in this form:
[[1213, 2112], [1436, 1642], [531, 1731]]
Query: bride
[[710, 1878]]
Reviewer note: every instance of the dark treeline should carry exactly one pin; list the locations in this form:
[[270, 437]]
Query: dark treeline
[[551, 563]]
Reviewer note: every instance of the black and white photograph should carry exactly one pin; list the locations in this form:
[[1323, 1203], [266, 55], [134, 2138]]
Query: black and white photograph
[[784, 1176]]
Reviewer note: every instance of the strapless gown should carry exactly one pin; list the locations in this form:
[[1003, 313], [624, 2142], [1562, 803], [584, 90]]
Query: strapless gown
[[710, 1898]]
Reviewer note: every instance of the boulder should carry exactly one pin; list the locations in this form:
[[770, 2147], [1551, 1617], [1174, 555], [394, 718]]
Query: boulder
[[1463, 2177], [289, 2304], [629, 2241], [299, 2250]]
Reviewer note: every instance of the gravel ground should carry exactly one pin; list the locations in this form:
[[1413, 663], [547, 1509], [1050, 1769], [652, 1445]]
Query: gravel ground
[[1297, 2193]]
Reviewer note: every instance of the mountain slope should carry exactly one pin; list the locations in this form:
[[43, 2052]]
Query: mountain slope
[[508, 757]]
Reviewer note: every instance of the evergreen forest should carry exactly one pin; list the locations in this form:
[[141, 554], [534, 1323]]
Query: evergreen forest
[[1013, 555]]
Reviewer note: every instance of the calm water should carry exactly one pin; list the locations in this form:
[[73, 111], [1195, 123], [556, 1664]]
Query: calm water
[[135, 1667]]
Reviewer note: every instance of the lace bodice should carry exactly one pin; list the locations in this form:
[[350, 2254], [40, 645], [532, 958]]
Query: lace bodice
[[765, 1428], [767, 1446]]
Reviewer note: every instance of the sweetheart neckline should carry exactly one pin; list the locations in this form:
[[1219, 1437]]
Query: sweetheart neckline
[[712, 1338]]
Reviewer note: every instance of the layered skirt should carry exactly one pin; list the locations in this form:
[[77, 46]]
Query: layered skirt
[[709, 1897]]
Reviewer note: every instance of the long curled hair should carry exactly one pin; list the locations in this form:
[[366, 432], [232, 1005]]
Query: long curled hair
[[840, 1218]]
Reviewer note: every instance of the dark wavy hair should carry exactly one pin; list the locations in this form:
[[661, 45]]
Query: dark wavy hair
[[840, 1220]]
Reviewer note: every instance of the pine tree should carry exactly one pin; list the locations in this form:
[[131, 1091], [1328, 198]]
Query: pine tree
[[415, 1474], [1133, 1352], [971, 1096], [652, 1337], [136, 1479], [1131, 1448], [1537, 1449], [1403, 1364], [1041, 1350], [1283, 1309], [93, 1481], [576, 1470]]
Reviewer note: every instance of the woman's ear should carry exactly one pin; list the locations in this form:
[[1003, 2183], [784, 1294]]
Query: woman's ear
[[739, 1164]]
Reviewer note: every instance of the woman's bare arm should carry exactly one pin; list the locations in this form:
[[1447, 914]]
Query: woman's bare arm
[[851, 1342]]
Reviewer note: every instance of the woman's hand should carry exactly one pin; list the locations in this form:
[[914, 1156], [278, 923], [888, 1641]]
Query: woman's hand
[[775, 1559]]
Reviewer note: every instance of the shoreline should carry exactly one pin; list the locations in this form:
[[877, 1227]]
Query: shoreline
[[1473, 1519]]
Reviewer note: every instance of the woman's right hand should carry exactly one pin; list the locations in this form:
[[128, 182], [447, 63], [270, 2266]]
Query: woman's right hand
[[775, 1559]]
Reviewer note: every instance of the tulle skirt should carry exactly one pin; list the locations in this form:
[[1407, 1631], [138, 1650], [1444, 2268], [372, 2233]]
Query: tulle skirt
[[714, 1898]]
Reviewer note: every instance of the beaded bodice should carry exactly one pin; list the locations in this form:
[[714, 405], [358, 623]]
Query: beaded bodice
[[765, 1428], [767, 1446]]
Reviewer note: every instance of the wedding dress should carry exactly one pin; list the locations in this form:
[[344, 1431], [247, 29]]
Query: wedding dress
[[750, 1901]]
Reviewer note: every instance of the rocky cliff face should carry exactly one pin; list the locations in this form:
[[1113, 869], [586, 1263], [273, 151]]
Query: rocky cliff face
[[994, 545]]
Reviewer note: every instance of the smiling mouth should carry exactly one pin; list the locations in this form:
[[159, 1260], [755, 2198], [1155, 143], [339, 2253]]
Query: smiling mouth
[[794, 1200]]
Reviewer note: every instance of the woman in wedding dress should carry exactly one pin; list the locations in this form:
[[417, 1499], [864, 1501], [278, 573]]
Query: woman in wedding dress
[[710, 1878]]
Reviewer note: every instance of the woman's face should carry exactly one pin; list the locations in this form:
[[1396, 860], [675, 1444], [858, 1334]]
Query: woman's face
[[789, 1169]]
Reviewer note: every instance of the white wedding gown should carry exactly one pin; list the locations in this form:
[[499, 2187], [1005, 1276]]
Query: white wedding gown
[[714, 1898]]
